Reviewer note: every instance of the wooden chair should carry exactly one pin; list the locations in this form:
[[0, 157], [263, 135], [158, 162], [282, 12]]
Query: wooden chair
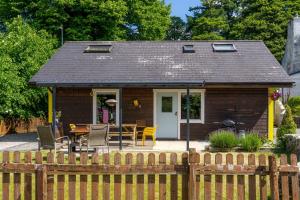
[[140, 126], [149, 132]]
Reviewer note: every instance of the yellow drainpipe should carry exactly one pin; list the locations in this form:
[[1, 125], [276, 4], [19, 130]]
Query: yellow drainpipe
[[49, 106], [270, 115]]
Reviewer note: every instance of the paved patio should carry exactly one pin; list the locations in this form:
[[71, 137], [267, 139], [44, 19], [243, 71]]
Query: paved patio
[[27, 142]]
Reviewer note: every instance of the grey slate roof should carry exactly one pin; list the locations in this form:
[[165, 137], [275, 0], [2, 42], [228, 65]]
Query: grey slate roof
[[161, 62]]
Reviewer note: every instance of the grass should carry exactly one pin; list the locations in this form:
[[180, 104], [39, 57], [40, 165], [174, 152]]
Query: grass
[[168, 181]]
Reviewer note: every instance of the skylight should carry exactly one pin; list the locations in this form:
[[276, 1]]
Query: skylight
[[188, 48], [98, 48], [224, 47]]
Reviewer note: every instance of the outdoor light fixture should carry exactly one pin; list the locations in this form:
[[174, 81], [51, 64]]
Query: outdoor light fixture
[[136, 103], [111, 102]]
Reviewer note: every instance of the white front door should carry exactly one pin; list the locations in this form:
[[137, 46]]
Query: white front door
[[166, 114]]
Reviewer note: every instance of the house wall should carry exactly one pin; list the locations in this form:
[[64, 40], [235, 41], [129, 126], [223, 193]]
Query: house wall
[[249, 106]]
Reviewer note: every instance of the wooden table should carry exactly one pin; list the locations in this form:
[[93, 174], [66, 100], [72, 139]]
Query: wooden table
[[128, 130], [80, 130]]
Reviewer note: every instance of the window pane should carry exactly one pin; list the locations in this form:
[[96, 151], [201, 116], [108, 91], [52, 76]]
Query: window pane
[[195, 106], [105, 113], [166, 104]]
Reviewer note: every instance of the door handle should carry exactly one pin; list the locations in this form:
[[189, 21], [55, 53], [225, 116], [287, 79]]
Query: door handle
[[175, 113]]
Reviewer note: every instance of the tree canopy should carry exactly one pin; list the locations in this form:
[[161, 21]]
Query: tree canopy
[[93, 19], [177, 29], [265, 20], [22, 52]]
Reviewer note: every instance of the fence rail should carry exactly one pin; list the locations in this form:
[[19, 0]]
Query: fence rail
[[148, 176]]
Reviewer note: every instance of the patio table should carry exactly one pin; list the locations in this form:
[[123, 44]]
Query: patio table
[[128, 130], [80, 130]]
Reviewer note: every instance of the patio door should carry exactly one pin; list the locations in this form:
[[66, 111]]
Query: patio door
[[166, 114]]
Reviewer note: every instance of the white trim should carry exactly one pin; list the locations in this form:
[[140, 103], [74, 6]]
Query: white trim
[[194, 121], [179, 120], [106, 91]]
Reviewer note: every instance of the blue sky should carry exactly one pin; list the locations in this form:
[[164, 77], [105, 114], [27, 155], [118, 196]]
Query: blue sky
[[180, 7]]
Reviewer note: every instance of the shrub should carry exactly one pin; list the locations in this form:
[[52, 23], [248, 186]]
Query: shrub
[[294, 104], [288, 125], [251, 142], [223, 139]]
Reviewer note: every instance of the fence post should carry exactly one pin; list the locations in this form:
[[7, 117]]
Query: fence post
[[41, 182], [273, 178], [193, 159]]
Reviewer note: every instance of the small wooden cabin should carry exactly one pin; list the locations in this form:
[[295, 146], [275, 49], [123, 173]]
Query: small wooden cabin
[[149, 80]]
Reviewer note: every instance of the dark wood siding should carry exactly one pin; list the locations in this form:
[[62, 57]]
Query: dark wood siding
[[249, 106], [245, 105], [145, 112], [76, 106]]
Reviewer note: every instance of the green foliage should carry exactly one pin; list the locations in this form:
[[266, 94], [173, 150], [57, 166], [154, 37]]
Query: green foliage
[[251, 142], [93, 19], [223, 140], [177, 29], [245, 20], [288, 126], [294, 104], [22, 52]]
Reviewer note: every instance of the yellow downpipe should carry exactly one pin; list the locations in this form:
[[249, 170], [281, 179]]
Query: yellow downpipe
[[50, 106], [270, 115]]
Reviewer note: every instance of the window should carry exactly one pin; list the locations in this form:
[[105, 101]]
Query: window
[[188, 49], [166, 104], [106, 106], [101, 48], [223, 47], [196, 107]]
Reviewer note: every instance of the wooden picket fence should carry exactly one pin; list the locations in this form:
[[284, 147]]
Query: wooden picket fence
[[163, 176]]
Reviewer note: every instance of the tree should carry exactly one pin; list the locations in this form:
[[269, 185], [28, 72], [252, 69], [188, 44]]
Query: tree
[[22, 52], [93, 19], [177, 29], [265, 20], [288, 125]]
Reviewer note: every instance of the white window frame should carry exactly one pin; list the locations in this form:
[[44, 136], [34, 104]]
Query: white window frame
[[105, 91], [193, 121]]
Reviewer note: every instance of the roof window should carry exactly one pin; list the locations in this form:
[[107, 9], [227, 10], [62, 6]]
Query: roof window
[[98, 48], [188, 49], [224, 47]]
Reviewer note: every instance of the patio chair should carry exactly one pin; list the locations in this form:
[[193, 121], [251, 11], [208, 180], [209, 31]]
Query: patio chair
[[46, 139], [97, 137], [149, 131]]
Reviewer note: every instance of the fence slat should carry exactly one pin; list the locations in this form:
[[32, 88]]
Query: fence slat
[[50, 178], [240, 179], [5, 178], [262, 179], [174, 178], [273, 178], [207, 178], [40, 178], [27, 178], [229, 178], [117, 178], [295, 179], [284, 179], [128, 178], [252, 180], [151, 178], [184, 185], [72, 178], [95, 178], [219, 179], [140, 178], [106, 179], [162, 178], [17, 178], [83, 178], [60, 178]]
